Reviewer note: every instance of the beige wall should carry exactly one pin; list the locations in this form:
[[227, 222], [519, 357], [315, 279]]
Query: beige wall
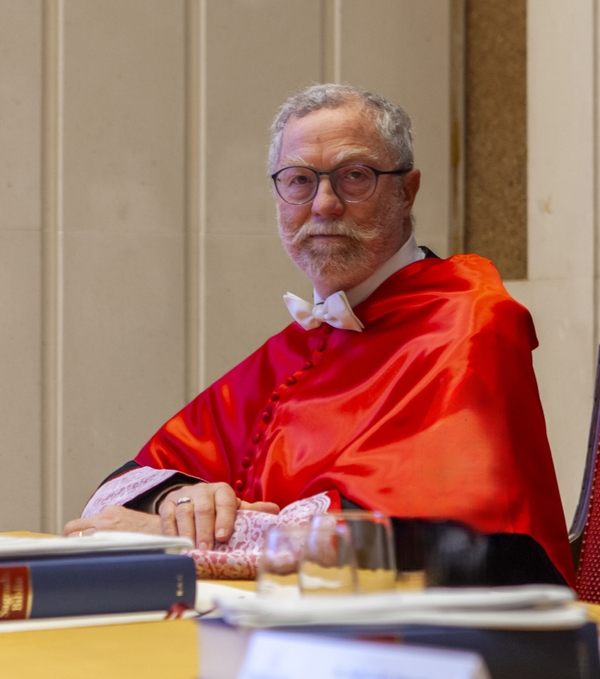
[[138, 250], [131, 271], [563, 223], [20, 260]]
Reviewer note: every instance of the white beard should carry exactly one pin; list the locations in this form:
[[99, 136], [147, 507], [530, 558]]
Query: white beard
[[348, 261]]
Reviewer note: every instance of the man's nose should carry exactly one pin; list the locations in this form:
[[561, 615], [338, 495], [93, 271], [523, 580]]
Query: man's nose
[[326, 203]]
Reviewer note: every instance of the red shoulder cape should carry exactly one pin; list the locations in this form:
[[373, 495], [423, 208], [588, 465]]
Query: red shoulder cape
[[432, 412]]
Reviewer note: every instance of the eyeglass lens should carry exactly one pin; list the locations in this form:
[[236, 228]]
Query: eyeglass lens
[[352, 183]]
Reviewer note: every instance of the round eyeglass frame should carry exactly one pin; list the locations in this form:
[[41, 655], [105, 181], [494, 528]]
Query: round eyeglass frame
[[318, 174]]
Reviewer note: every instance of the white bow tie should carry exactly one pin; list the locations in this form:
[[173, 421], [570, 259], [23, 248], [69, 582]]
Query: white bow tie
[[335, 311]]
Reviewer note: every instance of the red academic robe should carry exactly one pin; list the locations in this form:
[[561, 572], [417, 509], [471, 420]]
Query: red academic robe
[[431, 412]]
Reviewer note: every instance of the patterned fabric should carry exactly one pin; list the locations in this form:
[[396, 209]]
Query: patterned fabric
[[126, 487], [238, 558], [588, 571]]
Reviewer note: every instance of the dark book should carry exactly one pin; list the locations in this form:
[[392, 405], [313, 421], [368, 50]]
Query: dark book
[[508, 654], [522, 654], [95, 585]]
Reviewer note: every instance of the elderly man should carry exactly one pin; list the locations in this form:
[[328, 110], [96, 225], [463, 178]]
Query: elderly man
[[406, 386]]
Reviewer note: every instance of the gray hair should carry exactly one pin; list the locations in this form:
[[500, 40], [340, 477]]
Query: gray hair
[[392, 122]]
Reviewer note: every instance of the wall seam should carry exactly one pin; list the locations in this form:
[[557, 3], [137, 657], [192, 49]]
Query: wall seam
[[202, 123], [331, 37], [457, 126], [596, 182], [191, 236], [337, 41], [52, 265]]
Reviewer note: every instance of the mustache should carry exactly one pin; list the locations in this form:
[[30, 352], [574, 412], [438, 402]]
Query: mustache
[[346, 227]]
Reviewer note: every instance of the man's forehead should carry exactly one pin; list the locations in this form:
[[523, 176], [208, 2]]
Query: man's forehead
[[351, 154], [341, 135]]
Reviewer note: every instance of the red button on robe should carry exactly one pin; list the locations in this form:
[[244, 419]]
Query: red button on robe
[[431, 412]]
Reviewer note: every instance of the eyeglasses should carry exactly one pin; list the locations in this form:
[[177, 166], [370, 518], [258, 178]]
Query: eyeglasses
[[351, 183]]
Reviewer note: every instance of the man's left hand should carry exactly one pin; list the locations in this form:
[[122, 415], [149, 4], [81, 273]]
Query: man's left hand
[[115, 517]]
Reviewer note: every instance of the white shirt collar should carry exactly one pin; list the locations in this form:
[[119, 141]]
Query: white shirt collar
[[407, 254]]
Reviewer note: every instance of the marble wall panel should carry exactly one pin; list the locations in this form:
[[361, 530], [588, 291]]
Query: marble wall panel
[[122, 95], [20, 260], [124, 115], [496, 134], [20, 110], [401, 50], [561, 313], [561, 152], [20, 367], [252, 273], [124, 367], [257, 54], [561, 228], [123, 259]]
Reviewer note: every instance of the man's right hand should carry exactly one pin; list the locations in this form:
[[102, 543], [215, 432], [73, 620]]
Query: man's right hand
[[209, 515]]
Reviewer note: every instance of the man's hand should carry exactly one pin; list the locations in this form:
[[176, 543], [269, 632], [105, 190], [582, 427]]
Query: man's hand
[[208, 516], [115, 517]]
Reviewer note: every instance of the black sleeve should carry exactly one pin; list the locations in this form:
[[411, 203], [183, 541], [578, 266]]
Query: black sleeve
[[127, 467], [454, 555]]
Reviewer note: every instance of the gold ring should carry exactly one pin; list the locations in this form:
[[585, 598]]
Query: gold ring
[[80, 534]]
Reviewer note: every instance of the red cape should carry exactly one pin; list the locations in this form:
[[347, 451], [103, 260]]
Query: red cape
[[431, 412]]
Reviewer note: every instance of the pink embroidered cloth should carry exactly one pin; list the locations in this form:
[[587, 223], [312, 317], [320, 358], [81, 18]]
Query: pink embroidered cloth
[[126, 487], [238, 558]]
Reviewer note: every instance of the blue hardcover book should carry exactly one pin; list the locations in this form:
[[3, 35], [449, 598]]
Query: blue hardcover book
[[95, 585], [519, 654]]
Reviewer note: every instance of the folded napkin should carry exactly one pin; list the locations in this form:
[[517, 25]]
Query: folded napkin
[[238, 558], [523, 607]]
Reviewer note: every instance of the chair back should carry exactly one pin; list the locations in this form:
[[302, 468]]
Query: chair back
[[584, 534]]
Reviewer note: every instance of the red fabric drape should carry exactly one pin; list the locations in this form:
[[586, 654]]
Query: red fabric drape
[[432, 412]]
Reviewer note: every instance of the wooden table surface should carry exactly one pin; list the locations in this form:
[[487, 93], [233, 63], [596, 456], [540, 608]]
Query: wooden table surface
[[151, 650]]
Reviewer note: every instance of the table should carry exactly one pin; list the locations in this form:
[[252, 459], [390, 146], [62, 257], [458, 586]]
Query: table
[[151, 650]]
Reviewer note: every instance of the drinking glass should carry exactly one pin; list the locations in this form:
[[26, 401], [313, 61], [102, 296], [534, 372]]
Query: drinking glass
[[280, 561], [372, 539], [328, 562]]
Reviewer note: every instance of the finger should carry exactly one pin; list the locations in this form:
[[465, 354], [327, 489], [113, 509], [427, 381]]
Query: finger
[[81, 533], [184, 516], [73, 527], [168, 522], [226, 504], [267, 507], [204, 517]]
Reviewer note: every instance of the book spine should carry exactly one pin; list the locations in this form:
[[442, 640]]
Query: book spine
[[95, 585], [15, 592]]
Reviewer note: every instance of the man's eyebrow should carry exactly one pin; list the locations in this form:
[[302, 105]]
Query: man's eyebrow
[[355, 155], [292, 161]]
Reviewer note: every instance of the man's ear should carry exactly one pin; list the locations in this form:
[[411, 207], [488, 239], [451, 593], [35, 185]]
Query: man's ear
[[410, 186]]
